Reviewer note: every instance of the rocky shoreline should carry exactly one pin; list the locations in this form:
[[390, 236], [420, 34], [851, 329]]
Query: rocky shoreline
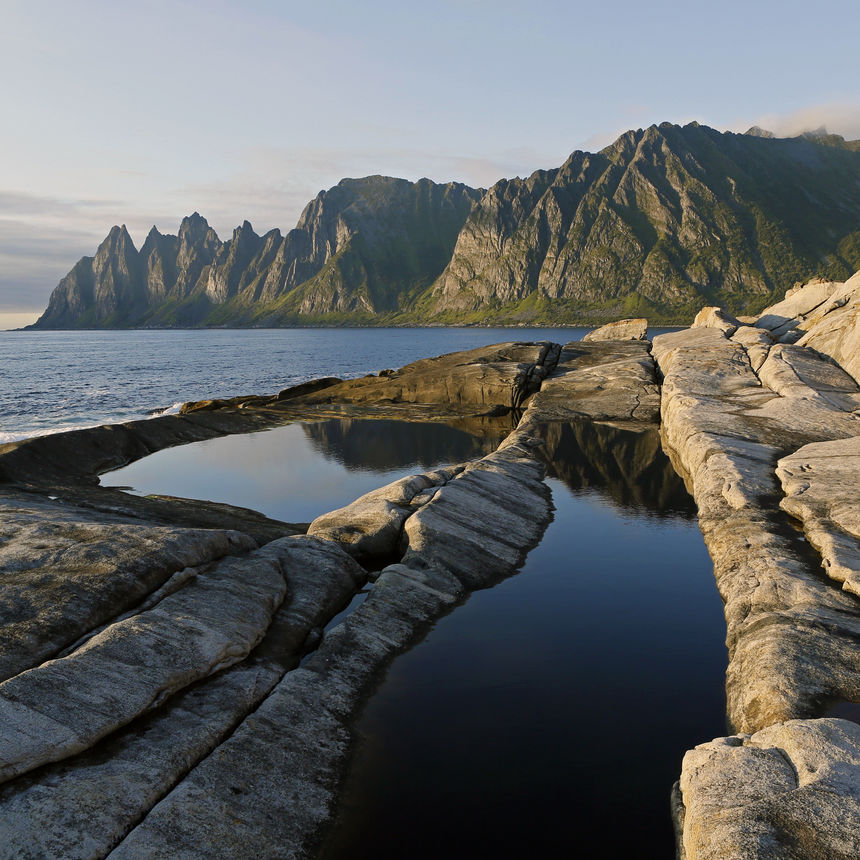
[[166, 686]]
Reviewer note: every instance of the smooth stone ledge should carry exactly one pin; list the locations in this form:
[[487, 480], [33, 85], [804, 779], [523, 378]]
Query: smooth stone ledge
[[67, 570], [66, 705], [60, 812], [601, 381], [793, 639], [822, 491]]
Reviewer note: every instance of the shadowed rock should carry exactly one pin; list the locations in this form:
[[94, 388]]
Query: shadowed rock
[[66, 570], [65, 705], [81, 807]]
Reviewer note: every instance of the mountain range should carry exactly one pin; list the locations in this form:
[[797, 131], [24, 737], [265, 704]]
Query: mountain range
[[657, 224]]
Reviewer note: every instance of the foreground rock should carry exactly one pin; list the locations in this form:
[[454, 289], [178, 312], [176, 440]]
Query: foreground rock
[[65, 705], [823, 316], [717, 318], [269, 788], [81, 807], [373, 524], [793, 639], [67, 570], [791, 790], [735, 414], [612, 381]]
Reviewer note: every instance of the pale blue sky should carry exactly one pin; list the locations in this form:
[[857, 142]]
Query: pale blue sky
[[142, 114]]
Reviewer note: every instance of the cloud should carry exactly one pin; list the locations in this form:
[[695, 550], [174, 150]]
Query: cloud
[[838, 118], [42, 237]]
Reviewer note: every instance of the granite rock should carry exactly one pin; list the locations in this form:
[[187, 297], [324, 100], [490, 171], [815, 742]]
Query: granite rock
[[821, 490], [632, 329], [792, 638], [791, 790], [717, 318], [603, 381]]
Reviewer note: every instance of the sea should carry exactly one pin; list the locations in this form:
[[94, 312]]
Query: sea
[[65, 380]]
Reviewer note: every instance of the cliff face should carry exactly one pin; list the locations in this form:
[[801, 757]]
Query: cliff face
[[660, 222], [667, 217]]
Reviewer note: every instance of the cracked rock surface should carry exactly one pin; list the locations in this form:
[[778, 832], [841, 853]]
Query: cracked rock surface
[[756, 426], [820, 492], [152, 695]]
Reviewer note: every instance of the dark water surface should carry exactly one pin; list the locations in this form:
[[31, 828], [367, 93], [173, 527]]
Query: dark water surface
[[297, 472], [547, 716]]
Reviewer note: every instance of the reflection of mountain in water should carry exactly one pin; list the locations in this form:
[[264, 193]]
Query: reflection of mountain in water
[[383, 445], [630, 467]]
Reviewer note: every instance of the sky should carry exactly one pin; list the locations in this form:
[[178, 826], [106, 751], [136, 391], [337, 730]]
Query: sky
[[141, 114]]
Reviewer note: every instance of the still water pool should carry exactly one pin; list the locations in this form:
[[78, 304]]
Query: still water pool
[[546, 716]]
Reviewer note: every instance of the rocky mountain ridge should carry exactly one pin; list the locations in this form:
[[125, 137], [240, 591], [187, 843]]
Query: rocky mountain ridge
[[658, 223]]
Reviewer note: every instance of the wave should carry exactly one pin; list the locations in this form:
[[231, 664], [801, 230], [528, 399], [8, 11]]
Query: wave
[[32, 432], [170, 410]]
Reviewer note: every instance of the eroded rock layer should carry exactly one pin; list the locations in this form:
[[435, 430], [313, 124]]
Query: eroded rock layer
[[748, 416]]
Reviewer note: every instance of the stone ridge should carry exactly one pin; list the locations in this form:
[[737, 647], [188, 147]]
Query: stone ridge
[[662, 221], [739, 411]]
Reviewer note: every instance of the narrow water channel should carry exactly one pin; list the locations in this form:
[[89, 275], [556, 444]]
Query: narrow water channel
[[547, 716]]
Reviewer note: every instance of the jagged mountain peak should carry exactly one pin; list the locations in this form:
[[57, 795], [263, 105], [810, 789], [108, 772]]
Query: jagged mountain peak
[[244, 231], [193, 222], [815, 133], [758, 131], [664, 219]]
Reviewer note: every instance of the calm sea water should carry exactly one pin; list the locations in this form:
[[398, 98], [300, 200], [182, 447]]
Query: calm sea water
[[53, 381]]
